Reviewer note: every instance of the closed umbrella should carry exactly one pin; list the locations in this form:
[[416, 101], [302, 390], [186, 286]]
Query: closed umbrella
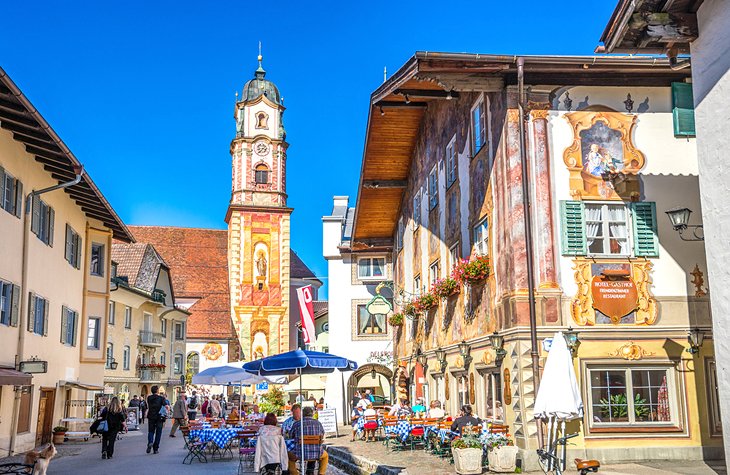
[[558, 398], [299, 362]]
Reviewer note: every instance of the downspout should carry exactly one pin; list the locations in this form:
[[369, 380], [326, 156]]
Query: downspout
[[79, 171], [523, 111]]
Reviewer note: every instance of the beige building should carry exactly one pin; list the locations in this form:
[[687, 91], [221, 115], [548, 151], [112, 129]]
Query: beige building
[[56, 232], [146, 344]]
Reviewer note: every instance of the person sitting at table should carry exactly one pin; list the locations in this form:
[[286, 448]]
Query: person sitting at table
[[270, 447], [309, 426], [296, 414], [420, 405], [435, 411], [404, 410], [255, 414], [466, 419], [234, 417], [370, 426]]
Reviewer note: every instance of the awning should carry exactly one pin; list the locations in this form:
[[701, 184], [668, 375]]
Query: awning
[[80, 385], [12, 377]]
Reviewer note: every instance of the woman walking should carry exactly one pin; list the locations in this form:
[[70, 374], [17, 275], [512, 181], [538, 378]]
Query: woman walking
[[115, 420]]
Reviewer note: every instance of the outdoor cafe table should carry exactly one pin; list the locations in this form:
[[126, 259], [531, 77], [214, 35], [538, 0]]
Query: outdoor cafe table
[[402, 429], [220, 437], [360, 424]]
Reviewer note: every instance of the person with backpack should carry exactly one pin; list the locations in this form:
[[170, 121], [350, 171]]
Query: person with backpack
[[158, 410], [193, 406]]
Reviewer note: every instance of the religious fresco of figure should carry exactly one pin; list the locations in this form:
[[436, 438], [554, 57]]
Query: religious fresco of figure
[[602, 159], [613, 294]]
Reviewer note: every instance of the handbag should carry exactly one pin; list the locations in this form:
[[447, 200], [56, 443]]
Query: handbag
[[163, 412], [103, 426]]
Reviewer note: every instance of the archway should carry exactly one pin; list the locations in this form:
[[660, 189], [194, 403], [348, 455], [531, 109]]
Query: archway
[[363, 379]]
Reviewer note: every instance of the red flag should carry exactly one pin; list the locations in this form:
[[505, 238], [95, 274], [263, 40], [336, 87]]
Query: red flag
[[306, 309]]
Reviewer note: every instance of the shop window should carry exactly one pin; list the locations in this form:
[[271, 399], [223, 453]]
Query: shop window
[[632, 396], [368, 324], [492, 403]]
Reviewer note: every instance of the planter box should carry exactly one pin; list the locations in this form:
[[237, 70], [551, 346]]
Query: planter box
[[467, 461], [58, 438], [503, 459]]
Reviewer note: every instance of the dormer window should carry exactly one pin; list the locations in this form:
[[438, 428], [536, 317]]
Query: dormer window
[[262, 120], [261, 174]]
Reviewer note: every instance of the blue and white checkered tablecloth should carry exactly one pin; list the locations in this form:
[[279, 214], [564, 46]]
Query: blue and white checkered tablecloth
[[442, 434], [220, 437], [402, 429], [360, 424]]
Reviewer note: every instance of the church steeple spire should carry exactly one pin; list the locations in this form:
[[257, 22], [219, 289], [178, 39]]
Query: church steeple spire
[[260, 72]]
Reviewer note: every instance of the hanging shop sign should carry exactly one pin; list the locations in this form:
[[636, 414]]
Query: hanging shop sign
[[33, 366], [378, 306], [614, 294]]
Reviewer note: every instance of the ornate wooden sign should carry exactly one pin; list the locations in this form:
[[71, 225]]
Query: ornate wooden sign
[[614, 295], [472, 393], [507, 391], [446, 385]]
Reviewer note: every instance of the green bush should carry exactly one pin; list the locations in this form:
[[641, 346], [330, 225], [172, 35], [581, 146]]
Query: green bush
[[272, 401]]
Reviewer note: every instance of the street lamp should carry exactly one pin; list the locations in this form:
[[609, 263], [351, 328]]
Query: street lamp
[[679, 218], [695, 337], [465, 352], [497, 342], [373, 373], [113, 365], [421, 358], [571, 339], [441, 358]]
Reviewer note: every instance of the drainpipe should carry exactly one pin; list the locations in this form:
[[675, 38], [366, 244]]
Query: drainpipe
[[79, 171], [523, 111]]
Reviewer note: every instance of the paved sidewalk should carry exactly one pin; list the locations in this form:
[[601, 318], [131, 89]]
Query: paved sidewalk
[[371, 457]]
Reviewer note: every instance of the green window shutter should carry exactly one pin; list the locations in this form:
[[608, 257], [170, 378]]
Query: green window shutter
[[35, 220], [79, 249], [15, 306], [683, 109], [51, 218], [64, 324], [2, 188], [18, 198], [573, 228], [646, 243], [69, 245], [31, 311]]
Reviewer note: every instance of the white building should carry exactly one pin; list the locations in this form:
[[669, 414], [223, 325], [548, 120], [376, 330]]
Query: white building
[[354, 277]]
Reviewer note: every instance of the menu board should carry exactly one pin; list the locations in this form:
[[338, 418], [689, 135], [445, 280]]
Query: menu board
[[328, 419]]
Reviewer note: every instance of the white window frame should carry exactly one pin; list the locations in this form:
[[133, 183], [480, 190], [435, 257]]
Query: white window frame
[[126, 357], [605, 222], [163, 358], [178, 363], [358, 322], [163, 328], [480, 238], [128, 317], [179, 331], [417, 284], [672, 393], [370, 275], [109, 355], [6, 302], [92, 340], [454, 255], [485, 133], [491, 383], [399, 235], [434, 272], [96, 267], [433, 188], [452, 165], [417, 202], [112, 312]]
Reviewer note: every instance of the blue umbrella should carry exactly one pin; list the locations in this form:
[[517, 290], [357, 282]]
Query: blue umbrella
[[299, 362]]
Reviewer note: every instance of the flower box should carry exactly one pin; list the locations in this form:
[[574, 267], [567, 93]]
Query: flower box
[[468, 460], [425, 302], [396, 320], [503, 459], [471, 271], [445, 288]]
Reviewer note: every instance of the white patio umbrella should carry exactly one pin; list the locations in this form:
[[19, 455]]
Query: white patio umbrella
[[234, 374], [558, 398]]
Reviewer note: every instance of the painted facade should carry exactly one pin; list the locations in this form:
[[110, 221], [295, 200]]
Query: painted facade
[[54, 280], [147, 333], [604, 164], [353, 332]]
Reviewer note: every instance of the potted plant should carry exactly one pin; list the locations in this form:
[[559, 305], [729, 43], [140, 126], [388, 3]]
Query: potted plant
[[59, 434], [396, 320], [501, 453], [425, 302], [410, 311], [471, 271], [467, 452], [445, 288]]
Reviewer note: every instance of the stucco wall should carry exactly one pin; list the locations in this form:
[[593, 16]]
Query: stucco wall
[[711, 85]]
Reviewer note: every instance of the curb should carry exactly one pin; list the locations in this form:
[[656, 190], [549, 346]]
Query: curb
[[353, 464]]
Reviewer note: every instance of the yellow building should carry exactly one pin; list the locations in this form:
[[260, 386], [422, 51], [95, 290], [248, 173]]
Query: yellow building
[[56, 233], [146, 344], [603, 147]]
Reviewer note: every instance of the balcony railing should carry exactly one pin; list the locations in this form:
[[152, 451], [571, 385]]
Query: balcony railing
[[158, 296], [149, 376], [150, 338]]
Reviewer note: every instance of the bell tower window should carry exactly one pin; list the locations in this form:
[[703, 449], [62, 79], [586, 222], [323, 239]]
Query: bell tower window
[[262, 120], [261, 174]]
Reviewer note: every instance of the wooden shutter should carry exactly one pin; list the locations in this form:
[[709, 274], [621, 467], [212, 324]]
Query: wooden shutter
[[70, 245], [77, 244], [2, 188], [683, 109], [573, 229], [18, 198], [46, 304], [31, 311], [51, 218], [35, 221], [15, 306], [64, 324], [644, 223]]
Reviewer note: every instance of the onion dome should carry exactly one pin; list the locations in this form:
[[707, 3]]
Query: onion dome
[[259, 85]]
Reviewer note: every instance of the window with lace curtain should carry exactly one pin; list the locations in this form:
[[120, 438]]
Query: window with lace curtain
[[607, 229]]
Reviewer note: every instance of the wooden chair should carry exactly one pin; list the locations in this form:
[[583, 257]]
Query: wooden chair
[[215, 424], [371, 425], [441, 448], [499, 429], [418, 433], [310, 465], [389, 422]]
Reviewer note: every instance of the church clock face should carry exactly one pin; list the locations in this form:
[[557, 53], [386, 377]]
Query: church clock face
[[261, 148]]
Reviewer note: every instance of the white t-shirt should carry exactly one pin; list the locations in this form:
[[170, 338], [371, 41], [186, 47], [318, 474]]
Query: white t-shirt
[[436, 412], [370, 412], [363, 403]]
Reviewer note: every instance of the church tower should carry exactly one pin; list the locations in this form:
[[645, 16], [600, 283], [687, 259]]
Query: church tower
[[258, 222]]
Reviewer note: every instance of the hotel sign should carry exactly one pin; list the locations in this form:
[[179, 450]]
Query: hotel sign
[[614, 295]]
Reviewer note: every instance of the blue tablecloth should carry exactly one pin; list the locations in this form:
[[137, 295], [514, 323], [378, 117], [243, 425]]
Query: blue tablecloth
[[442, 434], [219, 437]]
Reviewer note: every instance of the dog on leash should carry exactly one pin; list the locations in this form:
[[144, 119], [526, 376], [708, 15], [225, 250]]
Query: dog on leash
[[40, 458]]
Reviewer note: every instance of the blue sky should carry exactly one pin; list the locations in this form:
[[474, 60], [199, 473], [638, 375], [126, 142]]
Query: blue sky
[[143, 92]]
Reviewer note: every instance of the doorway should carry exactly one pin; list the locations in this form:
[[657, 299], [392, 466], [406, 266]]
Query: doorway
[[44, 429]]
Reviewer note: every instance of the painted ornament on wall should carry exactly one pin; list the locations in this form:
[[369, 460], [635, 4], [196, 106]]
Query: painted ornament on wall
[[602, 159], [212, 351]]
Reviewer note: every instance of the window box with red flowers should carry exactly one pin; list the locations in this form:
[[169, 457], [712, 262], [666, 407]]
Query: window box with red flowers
[[153, 366], [471, 271], [410, 310], [425, 302], [445, 288]]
